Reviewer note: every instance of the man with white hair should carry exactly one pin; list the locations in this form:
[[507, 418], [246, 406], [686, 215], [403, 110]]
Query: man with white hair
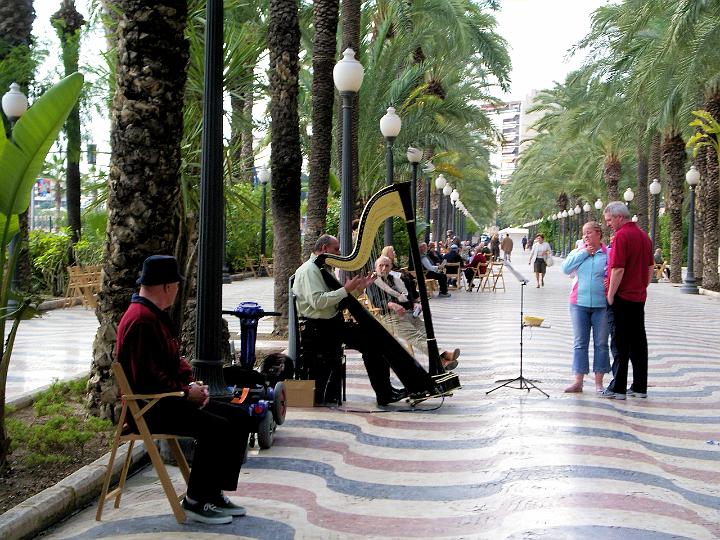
[[399, 314], [630, 270]]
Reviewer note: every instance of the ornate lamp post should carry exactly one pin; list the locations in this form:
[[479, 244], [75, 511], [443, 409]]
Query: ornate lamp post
[[14, 105], [571, 232], [263, 178], [628, 196], [689, 287], [440, 184], [578, 226], [414, 156], [586, 209], [348, 75], [429, 167], [454, 198], [564, 216], [447, 190], [598, 207], [654, 188], [390, 125]]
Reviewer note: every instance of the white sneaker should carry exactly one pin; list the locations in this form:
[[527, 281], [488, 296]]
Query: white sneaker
[[633, 393], [609, 394]]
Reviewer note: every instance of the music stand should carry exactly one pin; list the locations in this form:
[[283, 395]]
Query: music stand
[[523, 383]]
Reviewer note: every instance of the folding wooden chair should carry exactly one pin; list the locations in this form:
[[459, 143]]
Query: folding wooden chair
[[139, 404], [497, 275], [267, 264], [659, 271], [485, 278], [74, 286], [250, 266]]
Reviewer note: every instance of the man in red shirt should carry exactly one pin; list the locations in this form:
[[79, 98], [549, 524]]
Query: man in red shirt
[[148, 349], [629, 270]]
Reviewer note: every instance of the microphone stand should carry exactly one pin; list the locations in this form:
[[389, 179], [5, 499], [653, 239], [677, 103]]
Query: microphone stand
[[522, 382]]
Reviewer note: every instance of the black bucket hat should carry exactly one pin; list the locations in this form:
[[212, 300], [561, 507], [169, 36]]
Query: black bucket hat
[[159, 270]]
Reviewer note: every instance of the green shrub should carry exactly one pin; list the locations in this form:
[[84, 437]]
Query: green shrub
[[89, 249], [243, 225], [49, 253]]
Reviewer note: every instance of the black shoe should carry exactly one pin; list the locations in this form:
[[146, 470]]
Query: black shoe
[[396, 394], [205, 513], [225, 506]]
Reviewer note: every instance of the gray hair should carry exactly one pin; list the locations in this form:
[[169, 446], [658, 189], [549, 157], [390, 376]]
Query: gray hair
[[323, 241], [617, 209]]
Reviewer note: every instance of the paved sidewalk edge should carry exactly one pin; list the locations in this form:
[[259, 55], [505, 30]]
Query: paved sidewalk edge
[[58, 502]]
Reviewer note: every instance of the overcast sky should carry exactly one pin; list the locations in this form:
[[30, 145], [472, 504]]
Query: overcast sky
[[539, 33]]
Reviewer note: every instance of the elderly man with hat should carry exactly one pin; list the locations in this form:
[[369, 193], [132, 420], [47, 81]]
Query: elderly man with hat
[[148, 349]]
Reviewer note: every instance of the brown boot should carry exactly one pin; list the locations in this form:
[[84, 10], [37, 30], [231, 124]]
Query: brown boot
[[449, 359]]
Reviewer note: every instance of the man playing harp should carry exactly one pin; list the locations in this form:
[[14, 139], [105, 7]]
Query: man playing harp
[[399, 315], [319, 306]]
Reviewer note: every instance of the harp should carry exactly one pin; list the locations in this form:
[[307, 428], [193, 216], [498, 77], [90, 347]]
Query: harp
[[394, 201]]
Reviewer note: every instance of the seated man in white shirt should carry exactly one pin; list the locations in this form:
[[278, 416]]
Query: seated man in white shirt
[[324, 323]]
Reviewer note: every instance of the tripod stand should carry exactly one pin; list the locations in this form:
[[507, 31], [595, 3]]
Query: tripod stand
[[523, 383]]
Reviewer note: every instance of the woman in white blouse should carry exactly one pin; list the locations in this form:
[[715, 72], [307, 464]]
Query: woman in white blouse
[[540, 251]]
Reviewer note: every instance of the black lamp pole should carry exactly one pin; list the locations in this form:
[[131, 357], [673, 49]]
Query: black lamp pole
[[389, 179], [413, 186], [689, 286], [427, 209], [263, 218], [207, 364], [346, 194]]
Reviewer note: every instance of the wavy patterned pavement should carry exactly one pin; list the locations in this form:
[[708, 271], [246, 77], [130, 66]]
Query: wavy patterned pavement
[[511, 464]]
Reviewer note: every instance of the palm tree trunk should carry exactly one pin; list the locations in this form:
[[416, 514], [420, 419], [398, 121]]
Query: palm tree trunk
[[711, 194], [285, 156], [673, 159], [247, 155], [654, 167], [325, 17], [641, 187], [699, 232], [351, 38], [68, 23], [144, 182], [611, 172]]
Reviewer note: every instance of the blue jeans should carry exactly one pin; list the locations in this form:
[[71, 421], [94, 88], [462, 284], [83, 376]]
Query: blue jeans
[[583, 319]]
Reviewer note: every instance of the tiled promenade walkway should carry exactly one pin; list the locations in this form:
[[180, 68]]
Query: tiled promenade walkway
[[507, 465]]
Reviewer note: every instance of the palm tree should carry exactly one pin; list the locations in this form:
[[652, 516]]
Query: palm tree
[[68, 23], [325, 19], [144, 180], [285, 156]]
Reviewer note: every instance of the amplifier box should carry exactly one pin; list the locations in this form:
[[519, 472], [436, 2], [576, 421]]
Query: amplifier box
[[300, 393]]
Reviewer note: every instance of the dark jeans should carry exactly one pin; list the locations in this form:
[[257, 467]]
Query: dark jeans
[[631, 343], [221, 434], [441, 279]]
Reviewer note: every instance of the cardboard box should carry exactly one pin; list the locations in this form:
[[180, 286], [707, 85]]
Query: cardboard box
[[300, 393]]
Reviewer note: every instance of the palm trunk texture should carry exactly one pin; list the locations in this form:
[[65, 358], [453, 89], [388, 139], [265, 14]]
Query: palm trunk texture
[[641, 187], [654, 167], [611, 172], [350, 22], [144, 183], [673, 159], [711, 194], [325, 17], [285, 155]]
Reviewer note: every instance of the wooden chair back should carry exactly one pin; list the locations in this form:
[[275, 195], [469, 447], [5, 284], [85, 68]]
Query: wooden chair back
[[250, 266], [485, 278], [453, 271], [138, 405], [497, 275], [83, 283], [267, 264]]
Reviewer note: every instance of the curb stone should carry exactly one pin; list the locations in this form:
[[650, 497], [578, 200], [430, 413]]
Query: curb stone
[[41, 511]]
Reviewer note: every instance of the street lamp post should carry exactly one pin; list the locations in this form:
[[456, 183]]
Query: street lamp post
[[447, 190], [454, 198], [586, 209], [440, 184], [263, 178], [14, 105], [598, 207], [628, 196], [429, 167], [348, 76], [390, 125], [564, 216], [578, 226], [571, 232], [689, 287], [414, 156], [654, 190]]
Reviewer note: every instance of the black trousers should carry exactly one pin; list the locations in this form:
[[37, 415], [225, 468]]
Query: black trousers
[[329, 335], [221, 433], [441, 279], [631, 343]]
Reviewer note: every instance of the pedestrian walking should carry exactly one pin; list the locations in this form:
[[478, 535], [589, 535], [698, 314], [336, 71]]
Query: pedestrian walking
[[588, 307], [524, 242], [630, 271], [539, 253], [507, 246]]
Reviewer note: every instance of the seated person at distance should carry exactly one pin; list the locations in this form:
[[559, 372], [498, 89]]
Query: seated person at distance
[[433, 271], [400, 314], [320, 306], [453, 256], [478, 261], [148, 350]]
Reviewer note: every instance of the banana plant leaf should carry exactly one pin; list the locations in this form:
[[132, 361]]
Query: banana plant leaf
[[22, 157]]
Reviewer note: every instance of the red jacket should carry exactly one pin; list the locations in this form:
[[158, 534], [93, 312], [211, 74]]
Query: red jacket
[[148, 349]]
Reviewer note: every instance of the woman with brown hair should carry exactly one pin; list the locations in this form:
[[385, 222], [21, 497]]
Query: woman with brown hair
[[538, 254]]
